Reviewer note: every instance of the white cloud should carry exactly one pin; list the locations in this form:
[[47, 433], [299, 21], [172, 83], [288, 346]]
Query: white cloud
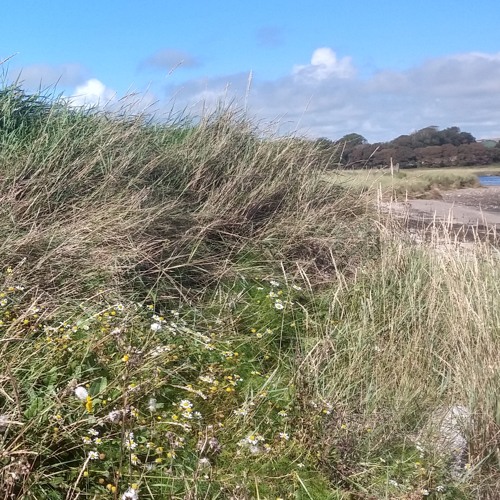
[[36, 76], [325, 64], [92, 93], [327, 98]]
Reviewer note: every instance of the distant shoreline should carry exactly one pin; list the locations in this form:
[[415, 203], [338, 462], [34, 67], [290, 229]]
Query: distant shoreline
[[485, 198], [469, 213]]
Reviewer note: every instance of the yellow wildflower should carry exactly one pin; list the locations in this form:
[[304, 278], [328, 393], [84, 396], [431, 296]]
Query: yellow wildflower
[[89, 406]]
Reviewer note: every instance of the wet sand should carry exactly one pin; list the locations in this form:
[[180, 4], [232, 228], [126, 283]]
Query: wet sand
[[468, 213], [486, 199], [473, 206]]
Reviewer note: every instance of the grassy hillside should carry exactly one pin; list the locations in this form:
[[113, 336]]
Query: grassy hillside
[[190, 310]]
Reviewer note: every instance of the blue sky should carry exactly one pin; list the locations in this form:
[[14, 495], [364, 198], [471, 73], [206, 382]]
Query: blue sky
[[325, 68]]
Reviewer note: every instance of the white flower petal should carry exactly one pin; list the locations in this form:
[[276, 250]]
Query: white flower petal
[[81, 393]]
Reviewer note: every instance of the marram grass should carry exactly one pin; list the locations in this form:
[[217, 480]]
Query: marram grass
[[188, 310]]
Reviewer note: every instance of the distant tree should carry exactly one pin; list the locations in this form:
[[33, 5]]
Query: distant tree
[[474, 154], [404, 141], [437, 156], [430, 156], [429, 147], [362, 156], [453, 135], [329, 151], [353, 139], [428, 136], [495, 151], [450, 135], [405, 156], [324, 143], [382, 157], [449, 153], [466, 138], [346, 145]]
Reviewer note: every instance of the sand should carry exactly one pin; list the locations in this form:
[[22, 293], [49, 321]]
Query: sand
[[471, 206]]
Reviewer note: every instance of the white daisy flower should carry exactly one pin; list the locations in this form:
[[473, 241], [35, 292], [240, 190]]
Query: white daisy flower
[[81, 393], [279, 305], [115, 416], [130, 494], [186, 404], [152, 404]]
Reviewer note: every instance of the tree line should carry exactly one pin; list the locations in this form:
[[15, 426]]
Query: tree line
[[427, 147]]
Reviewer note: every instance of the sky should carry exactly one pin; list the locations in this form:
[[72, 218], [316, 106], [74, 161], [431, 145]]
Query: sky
[[318, 68]]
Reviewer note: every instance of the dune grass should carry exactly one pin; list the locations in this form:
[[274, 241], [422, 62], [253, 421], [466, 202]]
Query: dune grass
[[413, 183], [188, 310]]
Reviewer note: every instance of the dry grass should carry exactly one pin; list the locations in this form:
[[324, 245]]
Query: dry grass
[[414, 183], [97, 201], [416, 334], [206, 264]]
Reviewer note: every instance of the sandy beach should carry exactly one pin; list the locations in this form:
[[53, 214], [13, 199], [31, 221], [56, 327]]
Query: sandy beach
[[470, 206]]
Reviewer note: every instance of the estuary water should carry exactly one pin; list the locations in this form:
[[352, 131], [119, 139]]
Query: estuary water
[[489, 180]]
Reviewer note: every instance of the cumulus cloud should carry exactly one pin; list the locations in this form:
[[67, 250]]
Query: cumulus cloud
[[169, 59], [92, 93], [327, 98], [324, 65]]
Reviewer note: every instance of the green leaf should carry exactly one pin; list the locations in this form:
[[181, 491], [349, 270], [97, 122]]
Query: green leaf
[[36, 406], [99, 385]]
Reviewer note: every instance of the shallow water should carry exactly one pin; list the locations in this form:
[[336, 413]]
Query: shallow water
[[489, 180]]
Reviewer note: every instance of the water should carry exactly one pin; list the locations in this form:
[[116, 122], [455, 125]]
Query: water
[[489, 180]]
